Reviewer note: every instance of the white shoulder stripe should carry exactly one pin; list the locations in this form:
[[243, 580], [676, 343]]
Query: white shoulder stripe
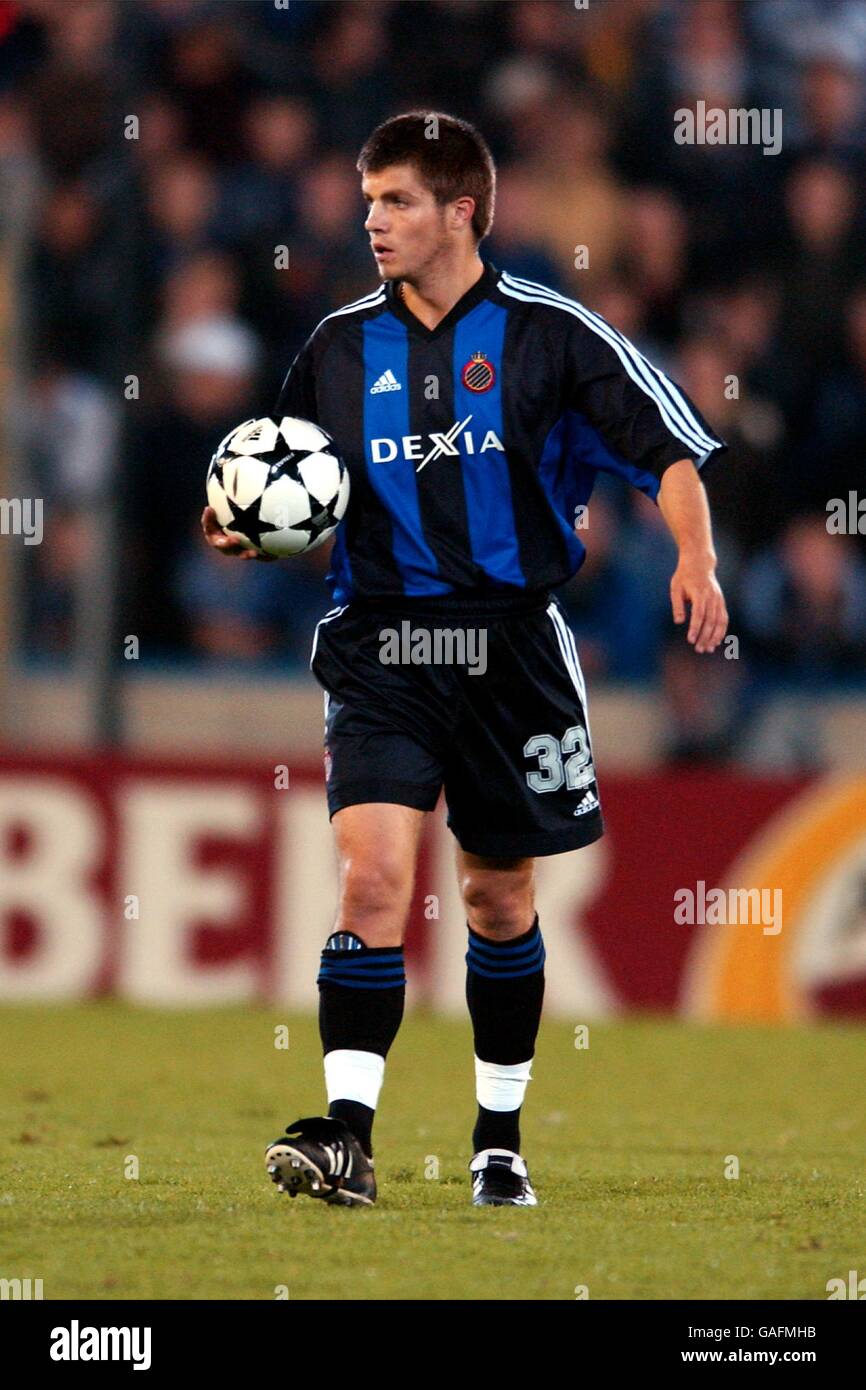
[[674, 410], [603, 328], [369, 301]]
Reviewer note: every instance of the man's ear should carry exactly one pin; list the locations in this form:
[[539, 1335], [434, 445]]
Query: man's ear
[[462, 211]]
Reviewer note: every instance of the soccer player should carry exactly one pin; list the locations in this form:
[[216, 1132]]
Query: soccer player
[[474, 410]]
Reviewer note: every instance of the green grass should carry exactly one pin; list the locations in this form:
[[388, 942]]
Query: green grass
[[626, 1142]]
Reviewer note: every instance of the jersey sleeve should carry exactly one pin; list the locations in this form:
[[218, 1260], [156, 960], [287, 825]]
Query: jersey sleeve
[[298, 392], [629, 418]]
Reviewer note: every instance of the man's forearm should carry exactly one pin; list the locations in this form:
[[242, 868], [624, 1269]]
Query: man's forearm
[[683, 504]]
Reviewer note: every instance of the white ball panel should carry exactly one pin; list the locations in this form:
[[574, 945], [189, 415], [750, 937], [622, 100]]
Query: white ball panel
[[285, 503], [285, 542], [342, 501], [321, 476], [224, 443], [254, 437], [245, 479], [218, 500], [302, 434]]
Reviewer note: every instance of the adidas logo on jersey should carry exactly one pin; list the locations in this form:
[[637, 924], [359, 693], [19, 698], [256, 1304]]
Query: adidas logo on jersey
[[589, 803], [386, 382]]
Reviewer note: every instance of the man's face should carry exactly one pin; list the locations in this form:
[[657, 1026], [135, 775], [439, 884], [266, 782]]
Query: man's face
[[405, 224]]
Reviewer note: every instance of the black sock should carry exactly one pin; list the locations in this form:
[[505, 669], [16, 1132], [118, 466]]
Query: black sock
[[359, 1118], [504, 992], [362, 991], [496, 1129]]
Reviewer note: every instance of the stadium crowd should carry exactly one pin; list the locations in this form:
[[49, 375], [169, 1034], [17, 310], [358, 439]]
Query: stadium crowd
[[187, 169]]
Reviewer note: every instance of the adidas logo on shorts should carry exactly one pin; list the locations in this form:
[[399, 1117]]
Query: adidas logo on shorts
[[386, 382], [589, 803]]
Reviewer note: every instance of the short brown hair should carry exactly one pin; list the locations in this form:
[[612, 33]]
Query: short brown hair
[[451, 156]]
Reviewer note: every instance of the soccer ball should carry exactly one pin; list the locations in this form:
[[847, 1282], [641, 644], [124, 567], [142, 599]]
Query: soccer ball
[[278, 485]]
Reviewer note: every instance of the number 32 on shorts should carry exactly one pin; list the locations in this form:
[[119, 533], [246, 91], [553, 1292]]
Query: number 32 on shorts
[[565, 762]]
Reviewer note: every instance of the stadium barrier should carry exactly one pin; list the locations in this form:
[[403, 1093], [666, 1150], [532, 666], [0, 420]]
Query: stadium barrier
[[179, 882]]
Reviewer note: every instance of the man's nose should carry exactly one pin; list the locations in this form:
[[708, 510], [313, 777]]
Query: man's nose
[[375, 220]]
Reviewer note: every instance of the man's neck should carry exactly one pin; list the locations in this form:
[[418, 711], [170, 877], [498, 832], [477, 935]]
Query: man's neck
[[436, 294]]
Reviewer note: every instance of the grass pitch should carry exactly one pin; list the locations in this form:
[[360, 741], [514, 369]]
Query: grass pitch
[[627, 1143]]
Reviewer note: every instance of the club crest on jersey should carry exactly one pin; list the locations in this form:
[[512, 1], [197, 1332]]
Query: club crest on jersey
[[478, 374]]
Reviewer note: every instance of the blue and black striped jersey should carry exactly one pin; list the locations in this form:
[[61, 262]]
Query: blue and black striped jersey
[[472, 445]]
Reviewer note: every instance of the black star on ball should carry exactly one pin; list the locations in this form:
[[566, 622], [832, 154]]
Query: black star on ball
[[287, 462], [318, 522], [248, 522]]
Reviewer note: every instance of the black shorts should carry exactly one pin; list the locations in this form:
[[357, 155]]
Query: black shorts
[[486, 702]]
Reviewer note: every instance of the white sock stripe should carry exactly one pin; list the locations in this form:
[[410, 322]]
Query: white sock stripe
[[514, 1069], [673, 409], [501, 1087], [354, 1075]]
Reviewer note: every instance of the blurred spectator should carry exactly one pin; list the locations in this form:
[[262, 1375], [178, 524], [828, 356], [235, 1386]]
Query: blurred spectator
[[819, 269], [328, 262], [836, 436], [351, 80], [512, 244], [160, 132], [182, 208], [210, 366], [258, 193], [803, 606], [745, 486], [70, 431], [75, 280], [833, 109], [257, 611], [439, 54], [578, 204], [652, 258], [205, 286], [609, 604], [204, 74]]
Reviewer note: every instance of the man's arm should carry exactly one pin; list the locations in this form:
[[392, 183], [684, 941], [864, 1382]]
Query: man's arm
[[682, 502]]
